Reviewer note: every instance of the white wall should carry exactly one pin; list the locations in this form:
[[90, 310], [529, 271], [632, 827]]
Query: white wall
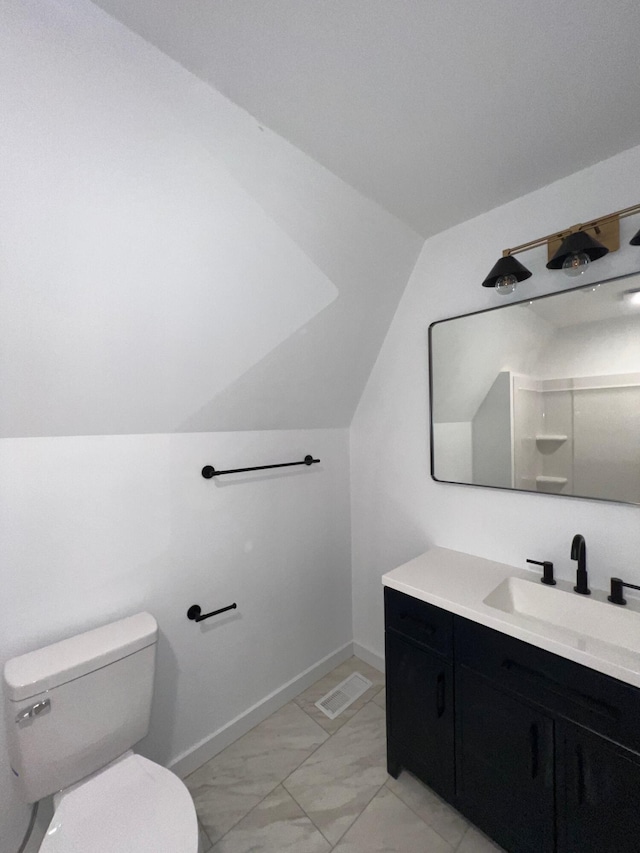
[[398, 511], [167, 263], [452, 454], [592, 349], [607, 443], [95, 528], [170, 266], [469, 353], [492, 440]]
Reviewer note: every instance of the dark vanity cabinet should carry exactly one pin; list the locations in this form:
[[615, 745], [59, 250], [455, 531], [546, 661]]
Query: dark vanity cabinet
[[505, 765], [419, 667], [539, 752], [598, 793]]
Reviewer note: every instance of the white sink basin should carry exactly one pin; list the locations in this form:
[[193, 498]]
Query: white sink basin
[[581, 614]]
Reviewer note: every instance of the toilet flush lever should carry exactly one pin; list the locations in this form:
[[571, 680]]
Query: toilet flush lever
[[33, 711]]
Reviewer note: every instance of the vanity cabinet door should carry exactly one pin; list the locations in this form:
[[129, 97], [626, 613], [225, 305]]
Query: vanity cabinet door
[[599, 790], [420, 713], [505, 766]]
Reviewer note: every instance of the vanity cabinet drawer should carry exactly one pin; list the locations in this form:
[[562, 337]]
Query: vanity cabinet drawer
[[418, 621], [566, 689]]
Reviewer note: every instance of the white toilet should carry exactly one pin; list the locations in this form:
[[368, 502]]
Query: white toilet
[[74, 710]]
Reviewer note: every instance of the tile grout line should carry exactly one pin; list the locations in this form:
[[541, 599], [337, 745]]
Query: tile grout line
[[268, 794], [252, 809], [400, 800], [282, 781], [385, 784], [206, 834], [432, 828], [461, 840], [308, 816], [356, 819], [333, 844], [359, 815], [329, 736]]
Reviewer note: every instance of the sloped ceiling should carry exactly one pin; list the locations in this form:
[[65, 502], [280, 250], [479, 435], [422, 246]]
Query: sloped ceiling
[[437, 110], [167, 263]]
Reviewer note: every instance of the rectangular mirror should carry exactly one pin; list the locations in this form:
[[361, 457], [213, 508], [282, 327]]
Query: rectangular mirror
[[543, 395]]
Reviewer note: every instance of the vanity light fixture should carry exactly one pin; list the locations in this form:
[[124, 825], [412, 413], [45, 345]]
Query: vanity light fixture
[[506, 273], [571, 250], [576, 253]]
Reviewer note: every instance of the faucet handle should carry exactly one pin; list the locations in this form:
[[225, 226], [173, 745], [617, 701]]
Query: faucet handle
[[617, 596], [617, 587], [547, 571]]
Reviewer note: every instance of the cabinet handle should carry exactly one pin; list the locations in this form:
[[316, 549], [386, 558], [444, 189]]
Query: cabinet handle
[[580, 769], [533, 744], [440, 701], [594, 705]]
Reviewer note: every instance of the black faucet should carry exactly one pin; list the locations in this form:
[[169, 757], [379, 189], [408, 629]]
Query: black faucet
[[579, 553]]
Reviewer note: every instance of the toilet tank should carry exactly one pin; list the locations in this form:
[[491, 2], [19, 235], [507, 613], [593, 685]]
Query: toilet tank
[[76, 705]]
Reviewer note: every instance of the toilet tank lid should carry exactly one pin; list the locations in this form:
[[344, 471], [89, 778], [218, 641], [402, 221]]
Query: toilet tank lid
[[54, 665]]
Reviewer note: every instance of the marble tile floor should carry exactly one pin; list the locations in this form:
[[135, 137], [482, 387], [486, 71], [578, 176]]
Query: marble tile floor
[[302, 783]]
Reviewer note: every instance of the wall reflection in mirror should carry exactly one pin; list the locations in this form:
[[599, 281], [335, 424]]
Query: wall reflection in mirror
[[542, 396]]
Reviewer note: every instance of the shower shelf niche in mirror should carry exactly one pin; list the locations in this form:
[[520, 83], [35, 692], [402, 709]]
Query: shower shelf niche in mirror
[[541, 396]]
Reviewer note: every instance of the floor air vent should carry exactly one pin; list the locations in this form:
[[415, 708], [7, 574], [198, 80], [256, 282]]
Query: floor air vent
[[343, 695]]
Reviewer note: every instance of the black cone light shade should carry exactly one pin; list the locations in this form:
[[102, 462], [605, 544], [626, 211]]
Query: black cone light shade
[[635, 241], [577, 244], [507, 265]]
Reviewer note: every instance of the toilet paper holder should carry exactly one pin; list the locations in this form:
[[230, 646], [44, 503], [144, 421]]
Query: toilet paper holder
[[195, 612]]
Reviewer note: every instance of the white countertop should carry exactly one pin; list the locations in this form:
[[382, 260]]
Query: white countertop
[[460, 583]]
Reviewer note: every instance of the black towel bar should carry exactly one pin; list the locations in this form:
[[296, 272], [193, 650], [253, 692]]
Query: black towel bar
[[209, 471]]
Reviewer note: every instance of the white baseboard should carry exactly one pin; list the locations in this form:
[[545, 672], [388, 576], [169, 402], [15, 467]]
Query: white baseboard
[[203, 751], [372, 658]]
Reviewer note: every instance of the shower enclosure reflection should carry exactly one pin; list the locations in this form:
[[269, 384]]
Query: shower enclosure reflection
[[542, 396]]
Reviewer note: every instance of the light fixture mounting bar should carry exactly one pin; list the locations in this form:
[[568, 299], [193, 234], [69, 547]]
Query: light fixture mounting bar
[[606, 229], [606, 232]]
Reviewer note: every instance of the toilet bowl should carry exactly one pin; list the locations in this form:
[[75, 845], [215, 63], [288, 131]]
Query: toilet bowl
[[131, 805], [73, 711]]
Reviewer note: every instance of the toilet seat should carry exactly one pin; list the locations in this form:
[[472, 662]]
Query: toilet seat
[[131, 805]]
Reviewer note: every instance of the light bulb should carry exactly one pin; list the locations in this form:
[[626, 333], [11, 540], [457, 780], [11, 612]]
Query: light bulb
[[506, 284], [575, 264]]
